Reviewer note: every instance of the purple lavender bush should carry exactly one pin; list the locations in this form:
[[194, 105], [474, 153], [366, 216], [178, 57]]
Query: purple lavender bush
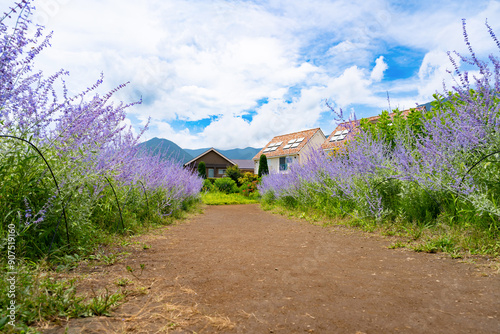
[[428, 168], [82, 141]]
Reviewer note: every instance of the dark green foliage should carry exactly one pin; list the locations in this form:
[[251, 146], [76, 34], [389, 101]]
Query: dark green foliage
[[234, 173], [263, 168], [388, 128], [202, 170], [207, 185]]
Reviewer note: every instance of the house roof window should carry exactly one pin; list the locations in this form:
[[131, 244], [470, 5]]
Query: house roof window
[[287, 146], [339, 135], [295, 145], [277, 144]]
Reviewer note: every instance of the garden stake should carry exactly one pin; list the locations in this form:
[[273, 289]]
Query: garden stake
[[145, 195], [117, 203]]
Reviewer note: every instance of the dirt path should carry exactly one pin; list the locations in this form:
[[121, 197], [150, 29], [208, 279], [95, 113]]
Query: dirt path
[[237, 269]]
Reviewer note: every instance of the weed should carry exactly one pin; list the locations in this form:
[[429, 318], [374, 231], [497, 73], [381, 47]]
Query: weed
[[132, 270], [397, 244], [122, 281]]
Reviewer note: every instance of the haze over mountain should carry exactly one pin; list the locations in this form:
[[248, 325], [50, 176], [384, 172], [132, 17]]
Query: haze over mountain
[[166, 148], [170, 150], [236, 153]]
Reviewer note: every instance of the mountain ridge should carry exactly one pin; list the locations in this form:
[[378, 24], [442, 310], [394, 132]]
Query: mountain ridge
[[167, 149]]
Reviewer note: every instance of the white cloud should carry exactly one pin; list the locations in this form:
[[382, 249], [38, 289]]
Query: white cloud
[[192, 59], [379, 69]]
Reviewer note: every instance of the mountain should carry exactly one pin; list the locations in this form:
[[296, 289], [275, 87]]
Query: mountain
[[236, 153], [166, 149]]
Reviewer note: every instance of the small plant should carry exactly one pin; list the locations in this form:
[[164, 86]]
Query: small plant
[[397, 244], [102, 304], [122, 282], [132, 271]]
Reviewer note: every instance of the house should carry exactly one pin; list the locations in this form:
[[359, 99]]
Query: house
[[285, 150], [347, 130], [216, 163]]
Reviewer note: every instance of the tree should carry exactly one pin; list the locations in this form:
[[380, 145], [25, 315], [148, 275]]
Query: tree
[[202, 170], [234, 173], [263, 169]]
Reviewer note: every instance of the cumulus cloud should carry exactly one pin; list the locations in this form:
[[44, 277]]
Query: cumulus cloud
[[379, 69]]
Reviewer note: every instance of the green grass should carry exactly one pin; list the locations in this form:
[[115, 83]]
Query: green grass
[[218, 198], [41, 298], [438, 235]]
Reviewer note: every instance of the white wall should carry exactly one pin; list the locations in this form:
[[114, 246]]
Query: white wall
[[313, 144]]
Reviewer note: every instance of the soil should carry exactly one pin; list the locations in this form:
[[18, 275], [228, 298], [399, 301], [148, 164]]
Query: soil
[[238, 269]]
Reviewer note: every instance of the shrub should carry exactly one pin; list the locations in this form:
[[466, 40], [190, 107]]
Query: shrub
[[234, 173], [249, 177], [226, 185], [202, 170], [263, 168], [249, 188], [207, 186]]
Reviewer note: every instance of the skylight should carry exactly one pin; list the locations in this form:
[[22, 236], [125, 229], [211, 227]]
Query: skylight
[[277, 144], [291, 141], [299, 140], [295, 145], [339, 135], [287, 146]]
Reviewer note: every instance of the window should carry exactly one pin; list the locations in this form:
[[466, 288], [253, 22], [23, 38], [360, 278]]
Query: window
[[339, 135], [222, 171], [283, 165], [210, 172]]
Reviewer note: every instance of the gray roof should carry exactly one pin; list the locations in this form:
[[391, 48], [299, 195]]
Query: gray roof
[[244, 164]]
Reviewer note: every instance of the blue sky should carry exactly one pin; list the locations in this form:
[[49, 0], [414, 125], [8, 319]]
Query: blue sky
[[234, 74]]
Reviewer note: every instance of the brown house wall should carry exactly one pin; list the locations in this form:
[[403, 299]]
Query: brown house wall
[[212, 160]]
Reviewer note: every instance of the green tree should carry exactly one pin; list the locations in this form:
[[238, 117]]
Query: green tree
[[263, 169], [234, 173], [202, 170]]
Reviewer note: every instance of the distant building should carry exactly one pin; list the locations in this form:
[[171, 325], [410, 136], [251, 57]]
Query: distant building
[[285, 150], [216, 163]]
